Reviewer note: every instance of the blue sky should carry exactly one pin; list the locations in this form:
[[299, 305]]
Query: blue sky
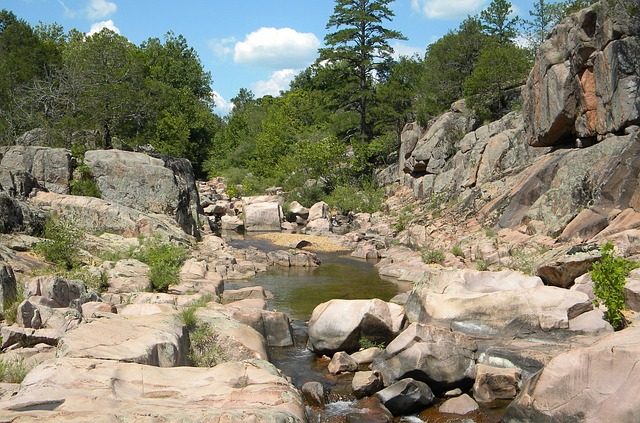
[[255, 44]]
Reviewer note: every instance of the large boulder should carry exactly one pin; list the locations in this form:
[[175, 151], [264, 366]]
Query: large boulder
[[585, 78], [262, 216], [18, 216], [162, 185], [75, 389], [156, 340], [598, 383], [406, 397], [494, 304], [433, 355], [98, 215], [48, 168], [338, 325]]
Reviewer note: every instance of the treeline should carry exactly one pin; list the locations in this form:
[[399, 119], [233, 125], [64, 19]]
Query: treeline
[[340, 118]]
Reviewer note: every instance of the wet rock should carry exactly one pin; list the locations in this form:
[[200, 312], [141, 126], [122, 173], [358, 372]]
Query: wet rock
[[313, 394], [434, 355], [495, 383], [342, 362], [461, 405], [366, 383], [406, 397]]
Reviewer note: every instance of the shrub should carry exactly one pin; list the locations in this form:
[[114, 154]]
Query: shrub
[[164, 260], [368, 199], [61, 246], [85, 185], [433, 256], [482, 265], [204, 352], [369, 343], [456, 250], [608, 276], [188, 316], [13, 371]]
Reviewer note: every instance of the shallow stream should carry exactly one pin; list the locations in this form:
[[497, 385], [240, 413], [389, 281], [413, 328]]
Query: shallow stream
[[296, 292]]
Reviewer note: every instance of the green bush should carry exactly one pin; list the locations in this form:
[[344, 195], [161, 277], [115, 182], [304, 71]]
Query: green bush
[[456, 250], [164, 260], [368, 199], [188, 316], [365, 343], [204, 351], [13, 371], [608, 276], [433, 256], [61, 246], [85, 186]]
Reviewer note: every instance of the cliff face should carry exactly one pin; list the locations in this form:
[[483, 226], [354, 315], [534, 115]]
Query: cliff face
[[568, 165]]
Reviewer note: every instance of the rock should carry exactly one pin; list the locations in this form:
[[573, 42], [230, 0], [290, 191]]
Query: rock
[[367, 383], [47, 168], [313, 393], [293, 258], [494, 304], [60, 291], [156, 340], [231, 223], [495, 383], [97, 215], [461, 405], [590, 323], [17, 216], [250, 292], [341, 363], [562, 269], [338, 325], [8, 287], [298, 209], [632, 291], [95, 309], [433, 355], [163, 185], [129, 275], [366, 356], [366, 251], [277, 329], [27, 337], [262, 217], [584, 75], [406, 397], [598, 383], [61, 389], [319, 210]]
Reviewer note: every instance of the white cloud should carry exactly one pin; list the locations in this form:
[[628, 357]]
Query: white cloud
[[279, 81], [277, 48], [99, 9], [99, 26], [222, 48], [222, 106], [401, 49], [445, 9]]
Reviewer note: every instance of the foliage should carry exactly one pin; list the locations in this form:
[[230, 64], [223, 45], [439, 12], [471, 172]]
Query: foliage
[[448, 63], [433, 256], [189, 318], [85, 185], [362, 43], [456, 250], [204, 351], [62, 244], [482, 265], [10, 306], [521, 261], [366, 343], [608, 276], [497, 23], [13, 370], [164, 260], [500, 70], [367, 199]]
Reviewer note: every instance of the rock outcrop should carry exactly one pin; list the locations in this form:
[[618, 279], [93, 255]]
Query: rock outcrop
[[584, 83], [163, 185], [23, 169]]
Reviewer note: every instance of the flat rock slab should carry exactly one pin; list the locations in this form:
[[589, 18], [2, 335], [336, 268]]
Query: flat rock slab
[[157, 340], [76, 389]]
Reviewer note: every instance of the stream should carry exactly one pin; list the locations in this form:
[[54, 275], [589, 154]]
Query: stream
[[296, 292]]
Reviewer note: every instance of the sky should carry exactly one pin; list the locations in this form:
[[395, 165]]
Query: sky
[[255, 44]]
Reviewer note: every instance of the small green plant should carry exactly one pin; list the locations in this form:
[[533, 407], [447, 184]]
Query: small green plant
[[482, 265], [61, 246], [164, 260], [456, 250], [204, 351], [13, 370], [365, 343], [608, 276], [10, 306], [433, 256], [84, 185], [188, 316], [490, 233]]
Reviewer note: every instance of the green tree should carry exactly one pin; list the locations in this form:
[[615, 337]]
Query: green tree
[[448, 63], [361, 42], [500, 70], [497, 23]]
